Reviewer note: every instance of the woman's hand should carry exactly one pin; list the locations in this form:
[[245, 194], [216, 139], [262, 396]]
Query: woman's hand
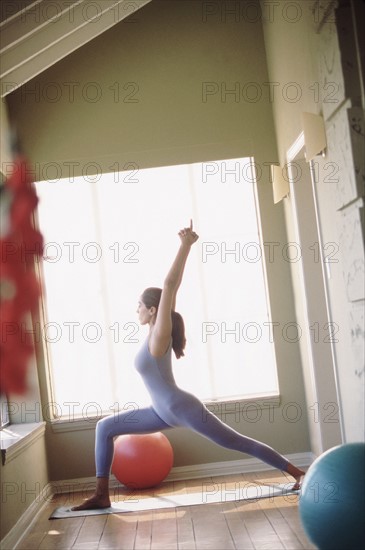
[[187, 235]]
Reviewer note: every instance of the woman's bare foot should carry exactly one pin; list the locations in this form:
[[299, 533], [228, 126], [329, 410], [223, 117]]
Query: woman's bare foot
[[297, 475], [99, 500], [96, 502], [298, 484]]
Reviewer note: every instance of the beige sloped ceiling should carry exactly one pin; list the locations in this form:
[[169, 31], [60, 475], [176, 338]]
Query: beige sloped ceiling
[[37, 34]]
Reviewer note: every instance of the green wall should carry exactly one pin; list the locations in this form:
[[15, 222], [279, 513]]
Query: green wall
[[23, 480]]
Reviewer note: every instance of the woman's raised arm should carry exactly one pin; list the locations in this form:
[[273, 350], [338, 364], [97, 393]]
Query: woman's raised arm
[[161, 332]]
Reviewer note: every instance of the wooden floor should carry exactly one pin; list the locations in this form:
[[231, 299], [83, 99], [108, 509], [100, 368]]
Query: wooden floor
[[265, 524]]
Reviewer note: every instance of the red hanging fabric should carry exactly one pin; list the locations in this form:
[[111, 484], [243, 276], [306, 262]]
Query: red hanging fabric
[[21, 246]]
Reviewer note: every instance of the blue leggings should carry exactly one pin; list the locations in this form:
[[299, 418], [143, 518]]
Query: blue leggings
[[206, 423]]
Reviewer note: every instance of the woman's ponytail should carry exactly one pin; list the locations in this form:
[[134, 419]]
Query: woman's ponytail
[[178, 334], [151, 298]]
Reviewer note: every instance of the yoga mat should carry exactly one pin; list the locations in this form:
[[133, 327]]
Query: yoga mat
[[211, 493]]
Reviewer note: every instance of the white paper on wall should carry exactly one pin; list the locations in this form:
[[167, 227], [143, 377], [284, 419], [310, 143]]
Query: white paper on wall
[[356, 319], [352, 251], [345, 146], [331, 83]]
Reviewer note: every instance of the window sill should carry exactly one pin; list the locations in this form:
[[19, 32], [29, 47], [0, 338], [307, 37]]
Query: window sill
[[15, 438], [245, 407], [74, 424]]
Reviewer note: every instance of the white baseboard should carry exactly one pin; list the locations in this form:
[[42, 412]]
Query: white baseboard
[[26, 521], [242, 466], [180, 473]]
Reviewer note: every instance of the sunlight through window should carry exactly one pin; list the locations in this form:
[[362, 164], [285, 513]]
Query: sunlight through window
[[108, 238]]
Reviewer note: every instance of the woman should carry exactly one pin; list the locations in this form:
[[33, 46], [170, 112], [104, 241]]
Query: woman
[[171, 406]]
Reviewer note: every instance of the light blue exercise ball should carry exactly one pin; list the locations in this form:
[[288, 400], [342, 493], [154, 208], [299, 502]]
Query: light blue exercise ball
[[332, 500]]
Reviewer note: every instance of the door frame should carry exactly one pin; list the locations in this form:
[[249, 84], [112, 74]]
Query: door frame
[[320, 370]]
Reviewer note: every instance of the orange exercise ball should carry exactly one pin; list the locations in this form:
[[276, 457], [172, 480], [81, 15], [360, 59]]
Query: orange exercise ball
[[142, 460]]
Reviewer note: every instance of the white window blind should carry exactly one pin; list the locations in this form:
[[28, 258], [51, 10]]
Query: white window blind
[[109, 237]]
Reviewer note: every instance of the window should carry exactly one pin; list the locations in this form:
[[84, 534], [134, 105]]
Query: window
[[4, 411], [109, 237]]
